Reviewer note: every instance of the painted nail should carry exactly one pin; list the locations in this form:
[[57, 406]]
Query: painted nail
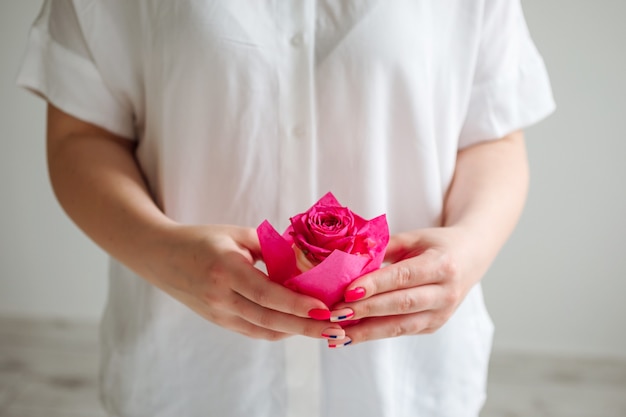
[[333, 333], [335, 344], [340, 315], [319, 314], [354, 294]]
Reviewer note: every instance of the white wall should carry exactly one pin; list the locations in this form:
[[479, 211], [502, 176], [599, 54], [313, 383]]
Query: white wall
[[558, 284], [47, 267]]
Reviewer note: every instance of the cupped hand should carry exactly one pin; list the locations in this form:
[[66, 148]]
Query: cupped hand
[[211, 270], [430, 271]]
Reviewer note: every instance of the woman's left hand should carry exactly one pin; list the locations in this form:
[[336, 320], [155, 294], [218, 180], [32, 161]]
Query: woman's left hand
[[430, 273], [432, 270]]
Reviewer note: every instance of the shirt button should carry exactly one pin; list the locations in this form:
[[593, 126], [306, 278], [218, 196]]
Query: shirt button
[[297, 40], [298, 132]]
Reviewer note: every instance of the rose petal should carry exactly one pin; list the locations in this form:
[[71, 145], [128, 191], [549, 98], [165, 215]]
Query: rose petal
[[328, 280], [314, 253], [277, 253], [378, 231], [327, 200]]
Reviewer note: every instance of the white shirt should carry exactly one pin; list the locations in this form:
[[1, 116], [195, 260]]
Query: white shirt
[[252, 110]]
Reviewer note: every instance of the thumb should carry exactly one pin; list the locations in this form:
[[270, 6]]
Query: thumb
[[248, 240], [403, 246], [396, 249]]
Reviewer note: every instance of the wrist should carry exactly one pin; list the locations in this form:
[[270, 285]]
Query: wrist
[[475, 249]]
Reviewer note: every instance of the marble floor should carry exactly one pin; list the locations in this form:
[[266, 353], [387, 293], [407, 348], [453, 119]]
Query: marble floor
[[50, 369]]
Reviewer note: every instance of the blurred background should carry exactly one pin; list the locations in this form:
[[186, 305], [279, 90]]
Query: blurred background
[[557, 288]]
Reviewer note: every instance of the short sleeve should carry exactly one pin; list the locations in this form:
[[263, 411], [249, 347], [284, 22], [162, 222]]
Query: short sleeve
[[58, 66], [511, 88]]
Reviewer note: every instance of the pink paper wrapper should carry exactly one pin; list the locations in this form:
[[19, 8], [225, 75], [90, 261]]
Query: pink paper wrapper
[[326, 281]]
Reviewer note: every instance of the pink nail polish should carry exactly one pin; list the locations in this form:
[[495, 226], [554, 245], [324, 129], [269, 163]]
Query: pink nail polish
[[354, 294], [340, 315], [319, 314], [332, 344], [333, 333]]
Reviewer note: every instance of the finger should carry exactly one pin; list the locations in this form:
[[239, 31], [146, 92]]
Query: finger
[[282, 322], [402, 246], [248, 239], [248, 329], [255, 286], [233, 322], [406, 301], [395, 249], [427, 268], [392, 326]]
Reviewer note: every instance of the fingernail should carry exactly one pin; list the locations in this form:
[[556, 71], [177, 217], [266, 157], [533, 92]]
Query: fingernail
[[333, 333], [335, 344], [340, 315], [354, 294], [319, 314]]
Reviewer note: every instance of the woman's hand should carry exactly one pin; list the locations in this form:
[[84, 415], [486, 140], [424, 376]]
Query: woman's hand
[[430, 273], [211, 270]]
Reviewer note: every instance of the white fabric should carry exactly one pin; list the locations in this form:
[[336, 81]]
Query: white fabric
[[251, 110]]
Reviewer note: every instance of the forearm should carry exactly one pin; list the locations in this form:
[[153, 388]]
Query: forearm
[[98, 183], [487, 195]]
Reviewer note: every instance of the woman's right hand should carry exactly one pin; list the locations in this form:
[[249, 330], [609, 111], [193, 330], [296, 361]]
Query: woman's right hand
[[211, 270]]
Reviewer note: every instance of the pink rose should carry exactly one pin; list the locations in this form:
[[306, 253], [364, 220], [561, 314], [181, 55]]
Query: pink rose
[[324, 250], [324, 228]]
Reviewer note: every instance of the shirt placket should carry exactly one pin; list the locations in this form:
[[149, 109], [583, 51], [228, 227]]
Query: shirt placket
[[297, 177], [296, 106]]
